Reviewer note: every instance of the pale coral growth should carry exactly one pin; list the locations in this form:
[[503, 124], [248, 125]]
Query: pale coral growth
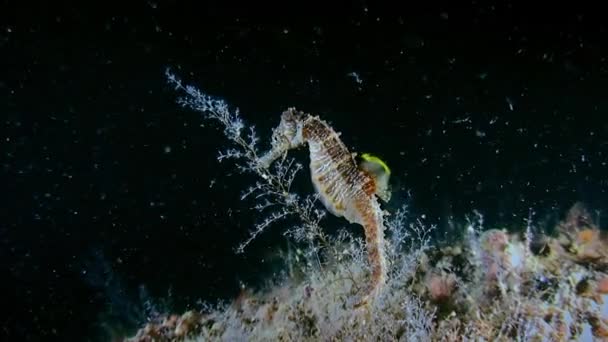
[[494, 243], [440, 295], [172, 327], [440, 286], [602, 285], [581, 240]]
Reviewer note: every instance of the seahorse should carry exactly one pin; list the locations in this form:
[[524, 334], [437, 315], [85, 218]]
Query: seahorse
[[345, 189]]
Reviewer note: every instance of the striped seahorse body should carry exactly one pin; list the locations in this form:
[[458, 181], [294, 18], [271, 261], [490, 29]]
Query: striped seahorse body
[[345, 189]]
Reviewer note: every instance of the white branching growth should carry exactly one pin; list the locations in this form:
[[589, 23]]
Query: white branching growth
[[272, 193], [407, 242], [473, 233], [418, 322], [528, 236]]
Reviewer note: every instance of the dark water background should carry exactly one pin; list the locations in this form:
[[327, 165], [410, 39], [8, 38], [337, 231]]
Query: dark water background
[[112, 194]]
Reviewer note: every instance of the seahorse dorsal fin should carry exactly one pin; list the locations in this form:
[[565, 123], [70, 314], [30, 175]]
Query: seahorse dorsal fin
[[378, 169]]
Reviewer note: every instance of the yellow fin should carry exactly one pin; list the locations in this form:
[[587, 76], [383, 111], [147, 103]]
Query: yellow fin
[[381, 173], [369, 158]]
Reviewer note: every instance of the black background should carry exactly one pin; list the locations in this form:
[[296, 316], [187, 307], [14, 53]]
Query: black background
[[109, 186]]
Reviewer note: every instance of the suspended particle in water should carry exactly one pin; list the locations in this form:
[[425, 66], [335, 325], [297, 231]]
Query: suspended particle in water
[[509, 102]]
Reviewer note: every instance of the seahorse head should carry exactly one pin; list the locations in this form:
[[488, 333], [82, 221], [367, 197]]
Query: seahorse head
[[289, 130], [287, 135]]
